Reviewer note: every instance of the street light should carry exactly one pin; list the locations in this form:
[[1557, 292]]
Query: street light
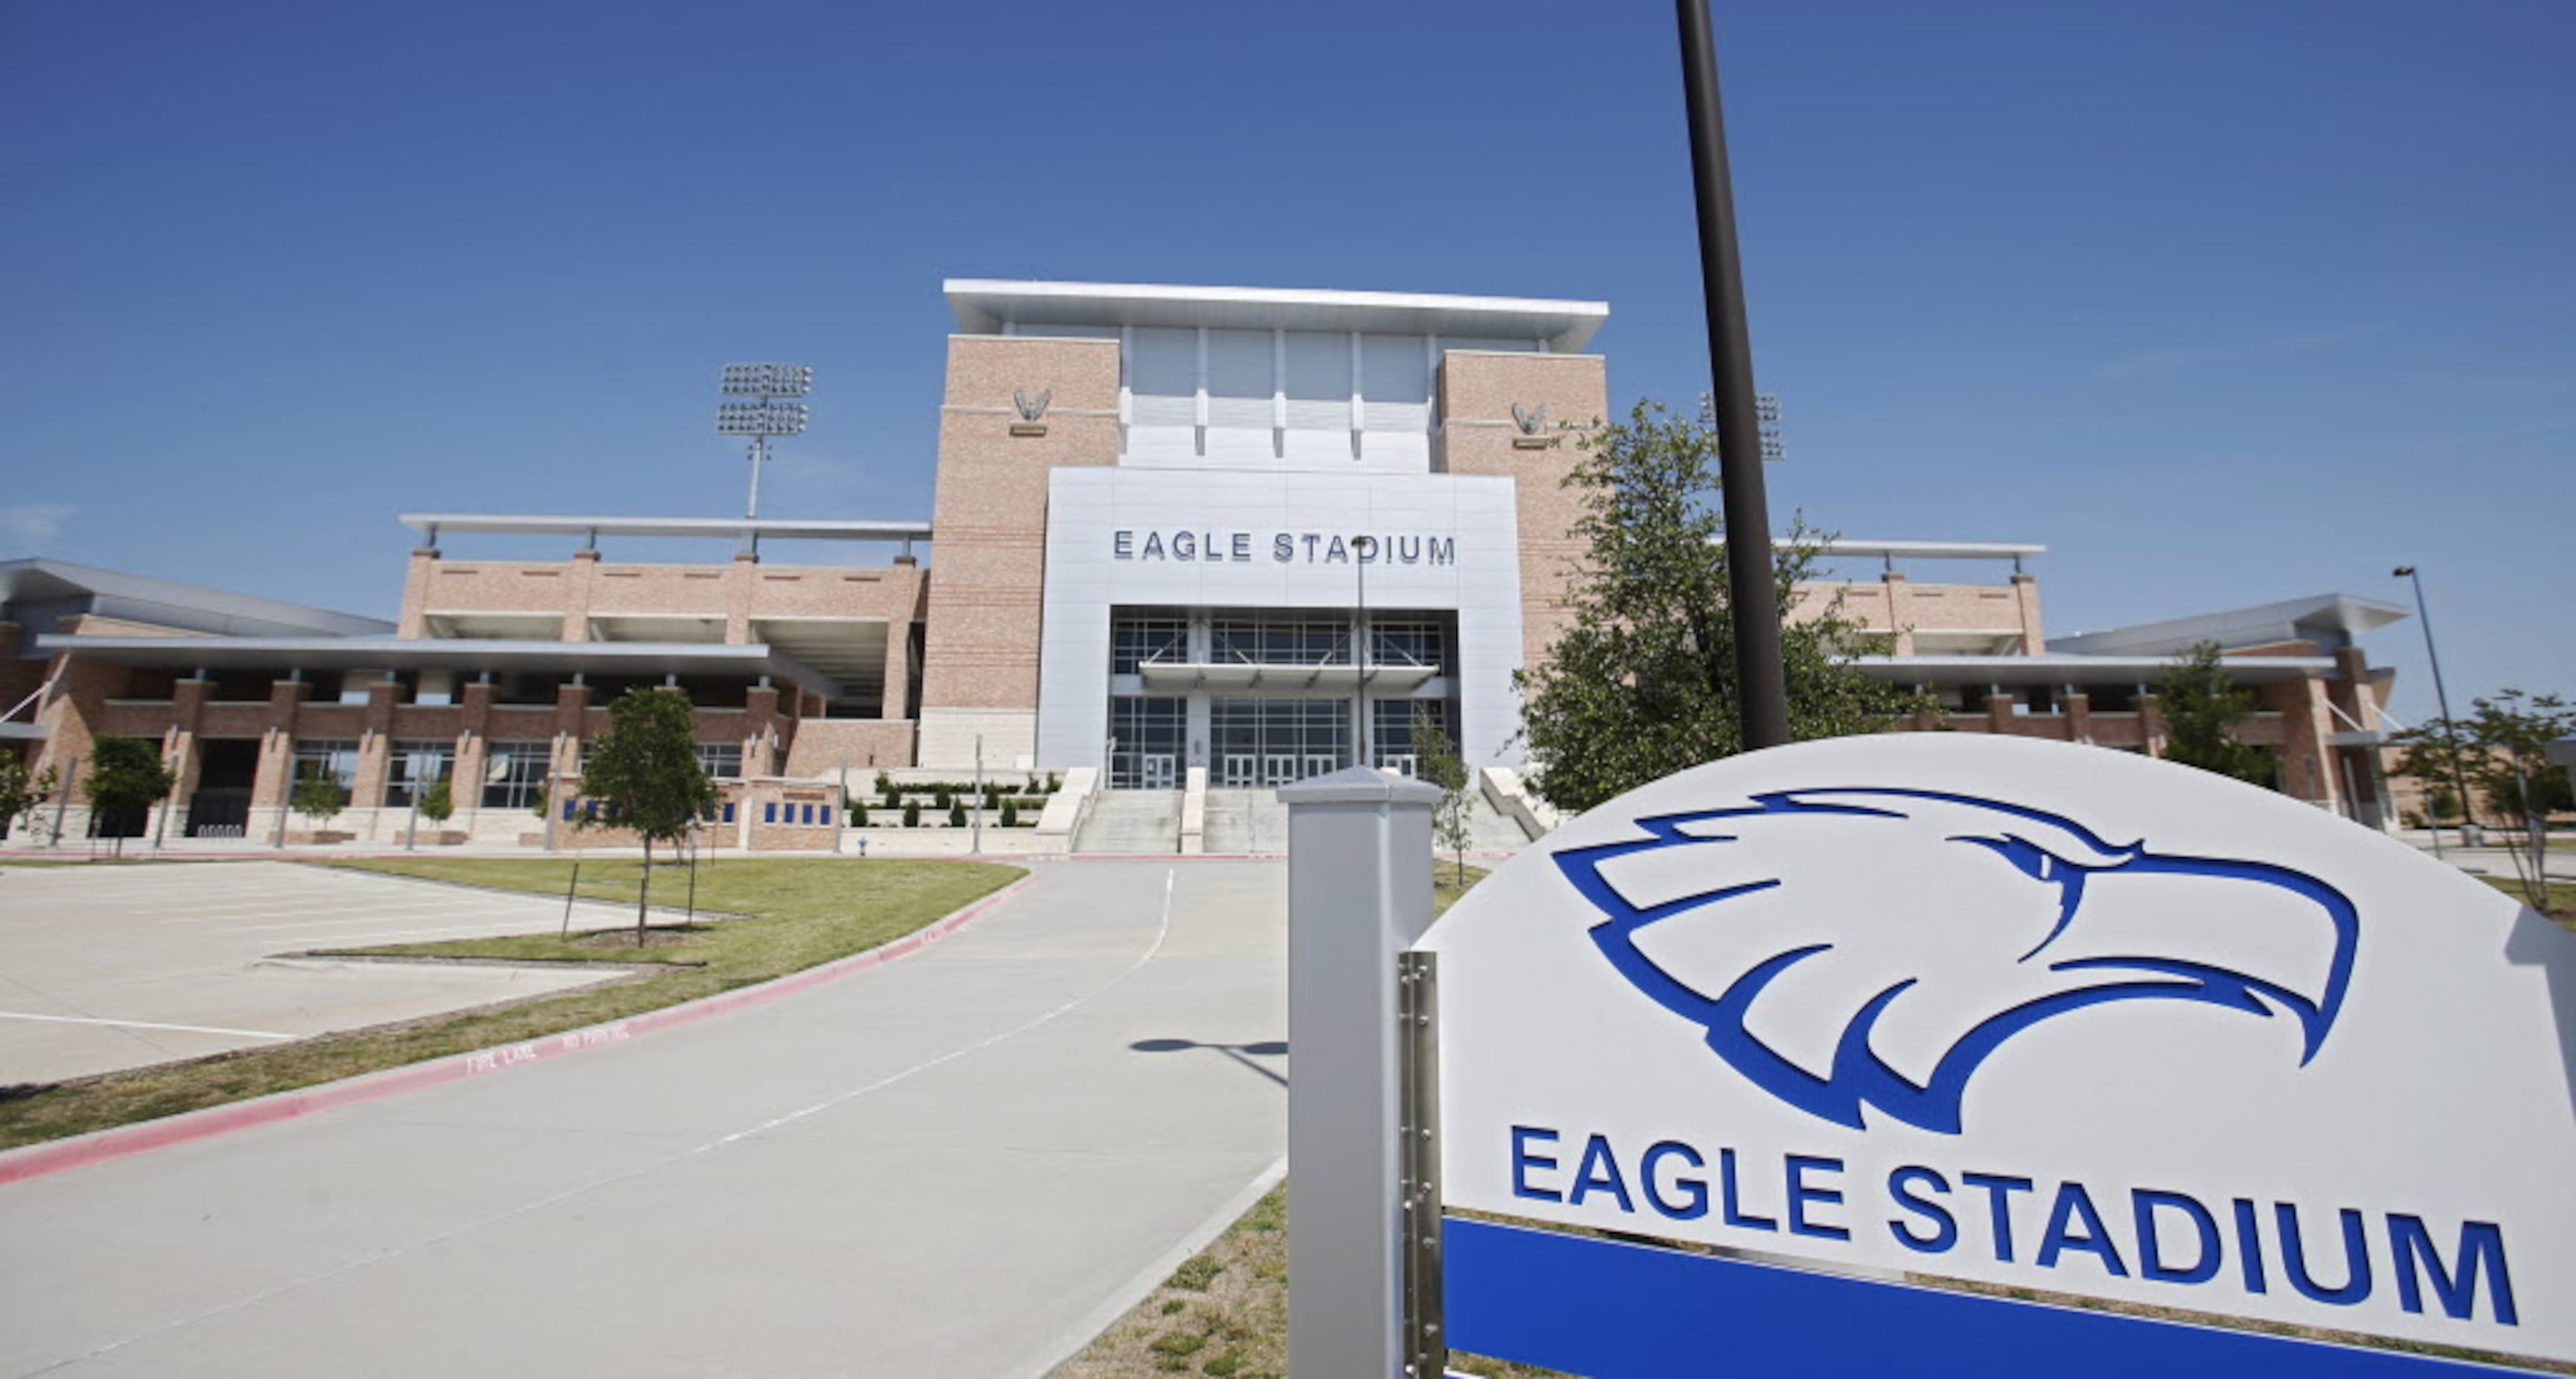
[[2450, 727], [1763, 684], [1361, 548], [766, 417]]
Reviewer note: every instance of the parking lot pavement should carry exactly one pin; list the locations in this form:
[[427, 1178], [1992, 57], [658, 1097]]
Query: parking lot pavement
[[117, 967], [962, 1163]]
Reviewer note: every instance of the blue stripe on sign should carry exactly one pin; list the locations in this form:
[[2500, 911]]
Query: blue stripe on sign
[[1612, 1310]]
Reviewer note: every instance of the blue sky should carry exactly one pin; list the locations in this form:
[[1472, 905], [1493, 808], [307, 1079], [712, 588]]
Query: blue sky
[[2224, 302]]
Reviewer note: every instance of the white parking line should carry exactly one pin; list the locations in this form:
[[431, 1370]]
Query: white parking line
[[142, 1024]]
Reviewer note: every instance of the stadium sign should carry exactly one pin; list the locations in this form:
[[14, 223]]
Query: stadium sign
[[2044, 1018]]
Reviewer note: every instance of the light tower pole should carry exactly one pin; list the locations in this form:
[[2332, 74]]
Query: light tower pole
[[766, 417]]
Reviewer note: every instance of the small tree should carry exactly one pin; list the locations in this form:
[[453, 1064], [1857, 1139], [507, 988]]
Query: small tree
[[858, 814], [956, 815], [1645, 682], [644, 771], [2201, 708], [2501, 752], [1010, 812], [15, 792], [1437, 762], [317, 797], [438, 802], [31, 813], [912, 814], [126, 778]]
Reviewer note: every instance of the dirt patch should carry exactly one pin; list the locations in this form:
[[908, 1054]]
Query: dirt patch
[[653, 938]]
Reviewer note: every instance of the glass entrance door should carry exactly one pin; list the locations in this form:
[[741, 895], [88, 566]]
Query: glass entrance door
[[1278, 770], [1242, 769], [1159, 771]]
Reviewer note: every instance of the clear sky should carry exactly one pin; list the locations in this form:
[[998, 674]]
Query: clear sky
[[2225, 302]]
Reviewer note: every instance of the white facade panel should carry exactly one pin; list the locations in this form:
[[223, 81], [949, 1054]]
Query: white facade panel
[[1232, 539]]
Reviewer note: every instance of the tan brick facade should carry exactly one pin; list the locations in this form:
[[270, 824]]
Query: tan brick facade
[[1478, 435], [990, 510]]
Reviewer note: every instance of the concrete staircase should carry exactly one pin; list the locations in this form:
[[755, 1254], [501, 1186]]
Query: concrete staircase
[[1140, 823], [1242, 821], [1253, 821]]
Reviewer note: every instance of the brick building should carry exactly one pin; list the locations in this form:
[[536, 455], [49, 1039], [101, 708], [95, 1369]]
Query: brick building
[[1184, 538]]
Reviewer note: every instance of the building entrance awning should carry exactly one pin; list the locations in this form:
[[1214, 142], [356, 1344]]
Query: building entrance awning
[[1171, 677]]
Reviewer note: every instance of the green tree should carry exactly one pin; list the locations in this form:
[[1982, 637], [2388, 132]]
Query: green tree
[[126, 778], [317, 797], [16, 789], [1644, 683], [33, 811], [438, 802], [2201, 708], [1437, 762], [2501, 751], [644, 771]]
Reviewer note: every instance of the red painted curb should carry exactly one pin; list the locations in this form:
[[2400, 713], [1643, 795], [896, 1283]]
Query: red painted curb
[[60, 1156]]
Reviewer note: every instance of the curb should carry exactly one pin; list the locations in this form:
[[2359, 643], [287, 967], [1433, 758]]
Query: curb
[[124, 1141]]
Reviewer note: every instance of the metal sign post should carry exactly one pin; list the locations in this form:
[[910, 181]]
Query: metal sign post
[[1359, 894]]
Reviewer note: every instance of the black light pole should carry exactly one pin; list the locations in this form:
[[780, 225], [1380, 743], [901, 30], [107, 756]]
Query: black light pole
[[2450, 726], [1759, 676]]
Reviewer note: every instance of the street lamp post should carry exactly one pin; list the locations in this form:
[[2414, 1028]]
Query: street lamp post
[[1361, 548], [2442, 696], [1740, 442]]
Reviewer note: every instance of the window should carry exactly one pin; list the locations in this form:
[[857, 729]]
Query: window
[[1392, 724], [326, 758], [1288, 643], [1145, 742], [1133, 641], [1275, 741], [514, 774], [722, 760], [1407, 644], [413, 768]]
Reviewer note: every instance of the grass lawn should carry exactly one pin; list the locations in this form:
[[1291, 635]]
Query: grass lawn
[[794, 913], [2562, 897]]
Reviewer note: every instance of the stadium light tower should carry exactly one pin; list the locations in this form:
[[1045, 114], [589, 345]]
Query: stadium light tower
[[766, 417]]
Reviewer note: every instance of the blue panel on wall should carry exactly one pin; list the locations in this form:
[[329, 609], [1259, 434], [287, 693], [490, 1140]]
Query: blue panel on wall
[[1611, 1310]]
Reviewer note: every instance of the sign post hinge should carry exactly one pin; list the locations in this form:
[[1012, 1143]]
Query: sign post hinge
[[1426, 1341]]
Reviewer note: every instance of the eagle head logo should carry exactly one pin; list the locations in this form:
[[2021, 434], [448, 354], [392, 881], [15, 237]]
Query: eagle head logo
[[1529, 420], [1982, 918], [1032, 408]]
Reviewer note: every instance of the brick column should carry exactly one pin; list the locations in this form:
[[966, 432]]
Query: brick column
[[2079, 716], [414, 622], [1900, 612], [2026, 603], [473, 724], [580, 583], [375, 748], [759, 719], [187, 711]]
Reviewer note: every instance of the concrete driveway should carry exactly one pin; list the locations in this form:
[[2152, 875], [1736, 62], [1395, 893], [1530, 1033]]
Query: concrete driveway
[[951, 1165], [117, 967]]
